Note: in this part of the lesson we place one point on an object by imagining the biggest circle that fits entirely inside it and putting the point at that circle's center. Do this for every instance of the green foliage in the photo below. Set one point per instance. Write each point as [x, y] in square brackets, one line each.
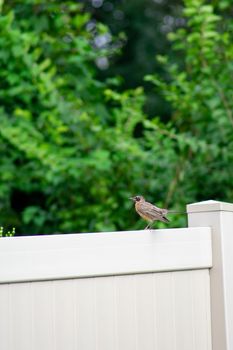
[145, 24]
[73, 148]
[200, 94]
[69, 156]
[9, 233]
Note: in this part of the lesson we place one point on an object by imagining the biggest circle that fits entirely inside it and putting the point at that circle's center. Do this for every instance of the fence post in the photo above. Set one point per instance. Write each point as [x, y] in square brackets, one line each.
[219, 216]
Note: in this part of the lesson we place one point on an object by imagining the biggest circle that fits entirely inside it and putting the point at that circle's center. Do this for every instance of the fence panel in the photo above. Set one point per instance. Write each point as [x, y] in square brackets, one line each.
[127, 290]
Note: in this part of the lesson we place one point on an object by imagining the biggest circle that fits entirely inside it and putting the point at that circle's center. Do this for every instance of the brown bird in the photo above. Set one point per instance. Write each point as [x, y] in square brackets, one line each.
[148, 211]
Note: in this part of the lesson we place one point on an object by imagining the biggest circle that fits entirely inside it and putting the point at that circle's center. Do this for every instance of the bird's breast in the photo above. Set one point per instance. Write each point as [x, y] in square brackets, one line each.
[141, 213]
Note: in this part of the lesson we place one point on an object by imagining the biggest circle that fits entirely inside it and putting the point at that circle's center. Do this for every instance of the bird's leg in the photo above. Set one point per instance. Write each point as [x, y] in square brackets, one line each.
[148, 226]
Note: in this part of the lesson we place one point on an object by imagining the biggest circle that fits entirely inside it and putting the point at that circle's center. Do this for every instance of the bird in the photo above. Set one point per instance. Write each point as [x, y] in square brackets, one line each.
[148, 211]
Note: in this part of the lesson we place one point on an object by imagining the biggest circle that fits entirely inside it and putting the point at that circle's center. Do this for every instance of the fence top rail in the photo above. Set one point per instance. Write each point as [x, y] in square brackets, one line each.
[37, 258]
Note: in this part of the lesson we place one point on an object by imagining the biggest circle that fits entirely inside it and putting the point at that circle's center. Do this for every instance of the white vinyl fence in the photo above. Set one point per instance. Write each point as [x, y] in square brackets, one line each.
[138, 290]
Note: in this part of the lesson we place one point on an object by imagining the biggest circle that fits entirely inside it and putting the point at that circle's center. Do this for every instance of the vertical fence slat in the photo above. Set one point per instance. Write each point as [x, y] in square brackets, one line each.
[105, 313]
[64, 323]
[43, 323]
[20, 316]
[201, 309]
[182, 300]
[85, 313]
[127, 337]
[165, 325]
[145, 312]
[4, 317]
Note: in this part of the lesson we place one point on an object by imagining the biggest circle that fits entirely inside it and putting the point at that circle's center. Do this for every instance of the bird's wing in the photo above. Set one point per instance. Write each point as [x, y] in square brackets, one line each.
[162, 211]
[152, 211]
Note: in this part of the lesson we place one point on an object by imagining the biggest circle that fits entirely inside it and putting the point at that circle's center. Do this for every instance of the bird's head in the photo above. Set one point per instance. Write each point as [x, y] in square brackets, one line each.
[137, 199]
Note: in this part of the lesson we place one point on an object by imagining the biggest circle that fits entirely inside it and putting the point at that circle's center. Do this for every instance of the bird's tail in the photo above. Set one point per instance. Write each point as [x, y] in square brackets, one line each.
[165, 219]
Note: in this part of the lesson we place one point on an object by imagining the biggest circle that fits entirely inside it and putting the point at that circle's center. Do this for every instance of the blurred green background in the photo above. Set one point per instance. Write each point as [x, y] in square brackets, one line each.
[101, 100]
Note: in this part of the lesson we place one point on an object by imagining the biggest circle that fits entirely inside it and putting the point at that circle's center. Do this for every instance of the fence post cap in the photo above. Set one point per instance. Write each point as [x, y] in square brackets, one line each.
[209, 205]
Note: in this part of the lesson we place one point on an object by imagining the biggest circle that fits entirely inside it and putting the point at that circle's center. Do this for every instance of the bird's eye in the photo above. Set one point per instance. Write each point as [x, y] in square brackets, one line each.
[137, 198]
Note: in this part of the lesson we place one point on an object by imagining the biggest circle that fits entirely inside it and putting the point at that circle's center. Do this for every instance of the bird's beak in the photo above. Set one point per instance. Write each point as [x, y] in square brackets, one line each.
[132, 198]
